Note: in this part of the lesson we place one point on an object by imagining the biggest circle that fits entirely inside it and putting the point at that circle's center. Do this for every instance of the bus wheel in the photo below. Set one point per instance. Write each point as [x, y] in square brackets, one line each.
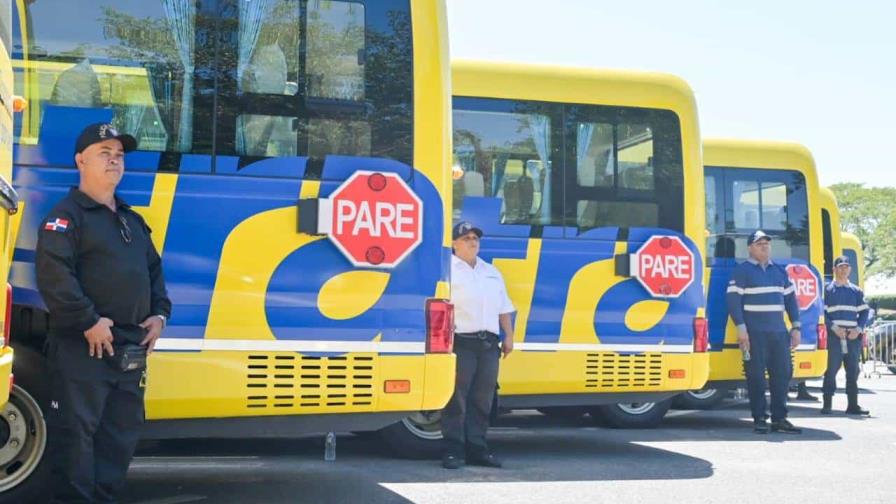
[23, 441]
[564, 412]
[418, 436]
[702, 399]
[643, 415]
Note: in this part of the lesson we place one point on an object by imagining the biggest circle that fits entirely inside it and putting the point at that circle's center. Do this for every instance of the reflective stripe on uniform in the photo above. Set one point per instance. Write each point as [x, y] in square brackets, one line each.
[763, 308]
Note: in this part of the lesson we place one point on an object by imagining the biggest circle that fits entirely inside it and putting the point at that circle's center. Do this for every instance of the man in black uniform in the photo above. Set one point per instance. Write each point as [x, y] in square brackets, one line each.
[101, 278]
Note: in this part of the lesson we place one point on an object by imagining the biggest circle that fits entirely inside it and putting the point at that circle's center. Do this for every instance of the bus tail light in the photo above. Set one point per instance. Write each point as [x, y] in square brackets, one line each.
[822, 337]
[439, 326]
[701, 335]
[7, 322]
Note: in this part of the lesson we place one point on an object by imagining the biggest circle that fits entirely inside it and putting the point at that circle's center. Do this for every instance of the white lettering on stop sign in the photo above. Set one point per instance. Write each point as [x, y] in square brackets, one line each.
[665, 266]
[806, 287]
[392, 220]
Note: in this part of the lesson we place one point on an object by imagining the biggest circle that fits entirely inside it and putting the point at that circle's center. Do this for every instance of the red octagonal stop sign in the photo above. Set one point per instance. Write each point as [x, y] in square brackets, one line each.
[664, 265]
[806, 284]
[374, 218]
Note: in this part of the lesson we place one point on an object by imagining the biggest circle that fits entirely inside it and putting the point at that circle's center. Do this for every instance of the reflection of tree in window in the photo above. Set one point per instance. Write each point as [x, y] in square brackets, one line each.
[335, 55]
[153, 43]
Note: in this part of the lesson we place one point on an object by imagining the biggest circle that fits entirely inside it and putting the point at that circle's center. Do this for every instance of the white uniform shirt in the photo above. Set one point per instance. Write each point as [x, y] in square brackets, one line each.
[479, 296]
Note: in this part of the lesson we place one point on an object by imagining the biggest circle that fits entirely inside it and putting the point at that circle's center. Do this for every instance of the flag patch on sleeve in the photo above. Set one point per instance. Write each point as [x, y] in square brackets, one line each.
[56, 224]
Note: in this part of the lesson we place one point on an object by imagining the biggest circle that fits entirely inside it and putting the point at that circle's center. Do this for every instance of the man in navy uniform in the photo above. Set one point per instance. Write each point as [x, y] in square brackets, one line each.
[758, 295]
[845, 315]
[101, 278]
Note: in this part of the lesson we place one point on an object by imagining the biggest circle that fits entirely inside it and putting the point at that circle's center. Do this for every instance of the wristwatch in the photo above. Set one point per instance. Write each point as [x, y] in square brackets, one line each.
[164, 320]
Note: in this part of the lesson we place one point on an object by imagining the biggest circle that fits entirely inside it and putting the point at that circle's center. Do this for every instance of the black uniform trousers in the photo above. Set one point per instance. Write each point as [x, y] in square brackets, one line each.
[769, 351]
[94, 420]
[836, 359]
[465, 417]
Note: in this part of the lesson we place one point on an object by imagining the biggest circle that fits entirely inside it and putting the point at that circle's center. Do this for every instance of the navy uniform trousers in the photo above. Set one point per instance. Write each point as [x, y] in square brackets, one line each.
[769, 351]
[94, 419]
[466, 416]
[836, 359]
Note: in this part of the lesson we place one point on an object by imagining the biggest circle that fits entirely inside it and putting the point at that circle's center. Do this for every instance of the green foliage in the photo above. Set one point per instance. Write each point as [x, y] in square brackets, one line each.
[870, 214]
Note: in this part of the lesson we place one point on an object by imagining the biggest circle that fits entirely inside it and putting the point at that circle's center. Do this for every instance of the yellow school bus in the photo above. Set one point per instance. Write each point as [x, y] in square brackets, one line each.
[276, 329]
[9, 203]
[570, 171]
[852, 248]
[771, 186]
[830, 229]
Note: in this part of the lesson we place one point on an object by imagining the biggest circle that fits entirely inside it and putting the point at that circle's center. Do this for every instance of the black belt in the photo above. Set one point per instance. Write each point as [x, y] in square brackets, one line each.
[478, 334]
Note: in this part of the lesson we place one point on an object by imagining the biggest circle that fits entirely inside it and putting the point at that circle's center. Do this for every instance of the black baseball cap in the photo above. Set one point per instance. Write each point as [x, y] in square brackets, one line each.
[464, 227]
[840, 261]
[100, 132]
[756, 236]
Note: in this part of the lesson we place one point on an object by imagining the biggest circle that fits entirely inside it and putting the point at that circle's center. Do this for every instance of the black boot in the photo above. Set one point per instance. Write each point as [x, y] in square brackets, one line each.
[854, 408]
[802, 393]
[826, 407]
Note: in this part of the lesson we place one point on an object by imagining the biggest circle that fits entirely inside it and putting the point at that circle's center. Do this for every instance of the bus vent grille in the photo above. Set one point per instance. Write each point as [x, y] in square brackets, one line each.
[289, 382]
[610, 370]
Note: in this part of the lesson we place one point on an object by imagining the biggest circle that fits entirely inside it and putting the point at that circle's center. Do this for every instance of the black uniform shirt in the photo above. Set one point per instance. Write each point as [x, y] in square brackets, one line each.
[93, 262]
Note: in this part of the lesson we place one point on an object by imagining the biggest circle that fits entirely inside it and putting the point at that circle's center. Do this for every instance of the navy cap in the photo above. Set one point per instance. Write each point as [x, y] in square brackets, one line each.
[840, 261]
[100, 132]
[756, 236]
[464, 227]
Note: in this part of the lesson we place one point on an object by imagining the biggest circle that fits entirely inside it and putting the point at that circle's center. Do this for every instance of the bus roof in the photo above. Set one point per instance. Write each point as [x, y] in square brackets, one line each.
[851, 241]
[562, 84]
[765, 154]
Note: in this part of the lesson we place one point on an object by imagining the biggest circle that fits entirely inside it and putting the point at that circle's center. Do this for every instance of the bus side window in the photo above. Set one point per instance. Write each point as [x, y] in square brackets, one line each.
[505, 155]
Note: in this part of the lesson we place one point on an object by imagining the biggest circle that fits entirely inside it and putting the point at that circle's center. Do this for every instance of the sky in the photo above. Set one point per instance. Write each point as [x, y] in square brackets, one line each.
[821, 73]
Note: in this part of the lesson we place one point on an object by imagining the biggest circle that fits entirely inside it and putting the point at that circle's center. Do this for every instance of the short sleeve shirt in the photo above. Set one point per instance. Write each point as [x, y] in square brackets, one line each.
[479, 296]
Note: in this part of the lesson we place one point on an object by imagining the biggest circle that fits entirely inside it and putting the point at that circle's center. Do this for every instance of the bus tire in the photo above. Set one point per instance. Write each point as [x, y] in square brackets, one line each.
[418, 436]
[631, 415]
[564, 412]
[24, 464]
[703, 399]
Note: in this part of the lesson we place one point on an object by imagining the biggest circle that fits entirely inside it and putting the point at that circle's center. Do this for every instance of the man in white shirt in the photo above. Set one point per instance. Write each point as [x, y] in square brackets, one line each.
[481, 307]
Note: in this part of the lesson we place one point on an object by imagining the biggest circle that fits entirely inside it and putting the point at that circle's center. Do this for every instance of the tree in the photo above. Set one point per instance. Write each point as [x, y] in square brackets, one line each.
[870, 214]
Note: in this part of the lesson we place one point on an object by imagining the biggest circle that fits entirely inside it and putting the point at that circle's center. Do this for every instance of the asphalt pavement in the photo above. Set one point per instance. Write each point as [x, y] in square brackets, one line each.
[695, 456]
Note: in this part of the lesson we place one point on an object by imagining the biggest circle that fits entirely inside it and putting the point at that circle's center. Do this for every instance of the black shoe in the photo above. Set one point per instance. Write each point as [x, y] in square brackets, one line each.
[826, 407]
[785, 427]
[760, 427]
[485, 460]
[452, 461]
[855, 409]
[806, 396]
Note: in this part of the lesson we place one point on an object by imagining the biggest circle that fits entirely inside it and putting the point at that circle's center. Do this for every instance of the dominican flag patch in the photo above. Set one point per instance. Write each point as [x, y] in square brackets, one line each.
[56, 224]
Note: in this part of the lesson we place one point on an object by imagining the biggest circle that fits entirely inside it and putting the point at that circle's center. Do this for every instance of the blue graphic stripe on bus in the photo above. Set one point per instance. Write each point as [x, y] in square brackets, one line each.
[294, 314]
[205, 212]
[560, 261]
[342, 167]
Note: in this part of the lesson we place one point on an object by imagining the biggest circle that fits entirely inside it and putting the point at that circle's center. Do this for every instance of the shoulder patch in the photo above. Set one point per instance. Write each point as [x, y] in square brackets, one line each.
[57, 224]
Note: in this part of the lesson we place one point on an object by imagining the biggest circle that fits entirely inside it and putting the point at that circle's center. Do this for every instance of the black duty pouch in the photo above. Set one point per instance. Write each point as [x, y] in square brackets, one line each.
[130, 355]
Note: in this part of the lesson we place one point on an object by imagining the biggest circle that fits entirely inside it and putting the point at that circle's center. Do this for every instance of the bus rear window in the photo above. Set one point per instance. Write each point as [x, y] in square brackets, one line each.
[578, 166]
[746, 199]
[252, 79]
